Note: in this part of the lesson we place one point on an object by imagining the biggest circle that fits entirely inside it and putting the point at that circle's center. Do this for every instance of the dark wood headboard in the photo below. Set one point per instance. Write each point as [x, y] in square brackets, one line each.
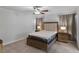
[50, 26]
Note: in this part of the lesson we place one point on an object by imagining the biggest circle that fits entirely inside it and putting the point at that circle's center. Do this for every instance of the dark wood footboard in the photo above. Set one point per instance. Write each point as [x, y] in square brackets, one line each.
[37, 44]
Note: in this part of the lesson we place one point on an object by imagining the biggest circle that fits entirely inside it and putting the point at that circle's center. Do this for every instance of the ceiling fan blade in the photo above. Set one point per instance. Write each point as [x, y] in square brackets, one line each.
[44, 11]
[37, 7]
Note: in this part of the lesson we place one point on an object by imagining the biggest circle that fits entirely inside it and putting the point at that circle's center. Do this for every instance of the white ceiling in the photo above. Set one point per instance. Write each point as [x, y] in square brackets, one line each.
[19, 8]
[51, 9]
[62, 9]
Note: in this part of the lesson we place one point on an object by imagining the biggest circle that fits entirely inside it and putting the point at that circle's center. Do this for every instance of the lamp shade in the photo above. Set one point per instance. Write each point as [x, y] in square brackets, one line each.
[38, 27]
[63, 27]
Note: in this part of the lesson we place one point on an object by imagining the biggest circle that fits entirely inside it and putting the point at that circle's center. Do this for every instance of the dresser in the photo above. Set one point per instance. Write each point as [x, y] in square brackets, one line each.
[64, 37]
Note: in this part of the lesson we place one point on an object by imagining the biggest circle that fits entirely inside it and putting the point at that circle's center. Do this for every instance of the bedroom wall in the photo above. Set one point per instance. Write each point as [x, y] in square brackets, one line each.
[14, 25]
[24, 25]
[51, 18]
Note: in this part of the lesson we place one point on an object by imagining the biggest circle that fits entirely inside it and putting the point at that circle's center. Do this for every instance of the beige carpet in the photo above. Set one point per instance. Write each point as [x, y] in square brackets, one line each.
[58, 47]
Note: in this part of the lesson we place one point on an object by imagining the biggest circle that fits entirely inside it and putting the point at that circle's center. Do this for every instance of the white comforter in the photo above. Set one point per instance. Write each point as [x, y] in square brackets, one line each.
[44, 34]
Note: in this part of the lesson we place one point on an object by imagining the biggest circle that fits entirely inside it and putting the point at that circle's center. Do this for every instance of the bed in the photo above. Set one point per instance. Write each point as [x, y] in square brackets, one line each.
[45, 38]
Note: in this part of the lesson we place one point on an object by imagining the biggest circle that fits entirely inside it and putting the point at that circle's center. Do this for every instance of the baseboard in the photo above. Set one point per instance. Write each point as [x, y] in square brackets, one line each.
[13, 41]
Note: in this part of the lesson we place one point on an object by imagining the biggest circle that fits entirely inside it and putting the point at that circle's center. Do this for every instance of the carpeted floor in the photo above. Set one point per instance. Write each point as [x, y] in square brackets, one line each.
[21, 47]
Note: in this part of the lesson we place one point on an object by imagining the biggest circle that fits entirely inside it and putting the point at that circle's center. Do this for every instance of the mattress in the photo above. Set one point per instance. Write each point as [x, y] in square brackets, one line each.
[44, 36]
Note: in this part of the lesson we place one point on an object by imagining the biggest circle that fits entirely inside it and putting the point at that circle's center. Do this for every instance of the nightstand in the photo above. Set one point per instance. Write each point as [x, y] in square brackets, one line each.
[64, 37]
[37, 30]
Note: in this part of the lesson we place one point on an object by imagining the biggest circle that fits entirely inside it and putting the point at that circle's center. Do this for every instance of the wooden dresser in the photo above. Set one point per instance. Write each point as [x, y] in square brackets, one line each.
[64, 37]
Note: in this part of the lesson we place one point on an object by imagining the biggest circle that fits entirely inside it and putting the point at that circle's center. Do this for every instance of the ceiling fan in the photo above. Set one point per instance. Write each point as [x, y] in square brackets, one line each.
[38, 10]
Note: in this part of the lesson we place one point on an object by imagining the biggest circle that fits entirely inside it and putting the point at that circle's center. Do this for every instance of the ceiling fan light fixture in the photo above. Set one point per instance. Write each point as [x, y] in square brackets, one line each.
[36, 11]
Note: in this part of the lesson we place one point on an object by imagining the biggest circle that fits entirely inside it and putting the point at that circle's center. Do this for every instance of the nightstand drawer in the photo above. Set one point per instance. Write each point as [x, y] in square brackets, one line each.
[63, 37]
[62, 34]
